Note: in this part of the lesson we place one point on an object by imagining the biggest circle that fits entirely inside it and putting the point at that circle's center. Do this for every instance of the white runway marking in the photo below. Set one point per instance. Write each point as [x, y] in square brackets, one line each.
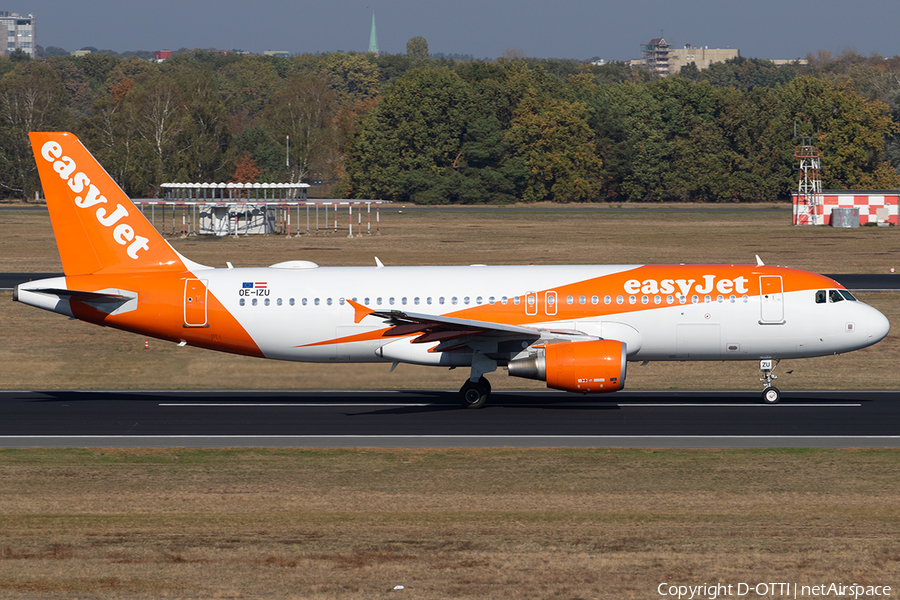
[301, 404]
[295, 405]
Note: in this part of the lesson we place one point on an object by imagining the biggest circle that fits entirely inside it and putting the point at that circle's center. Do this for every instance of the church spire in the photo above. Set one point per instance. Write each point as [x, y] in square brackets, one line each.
[373, 38]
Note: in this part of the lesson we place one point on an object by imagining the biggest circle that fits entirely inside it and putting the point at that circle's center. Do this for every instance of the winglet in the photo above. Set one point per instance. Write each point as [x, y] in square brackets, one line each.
[361, 311]
[378, 263]
[759, 262]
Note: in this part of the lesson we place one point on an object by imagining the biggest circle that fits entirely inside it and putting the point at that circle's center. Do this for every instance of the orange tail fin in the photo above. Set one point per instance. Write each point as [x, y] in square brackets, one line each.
[97, 227]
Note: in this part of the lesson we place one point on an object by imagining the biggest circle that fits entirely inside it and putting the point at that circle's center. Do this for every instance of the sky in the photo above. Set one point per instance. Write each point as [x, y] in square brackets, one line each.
[580, 29]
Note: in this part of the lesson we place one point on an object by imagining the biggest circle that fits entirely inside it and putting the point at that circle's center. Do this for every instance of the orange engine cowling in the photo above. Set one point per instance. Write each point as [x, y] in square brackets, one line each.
[595, 366]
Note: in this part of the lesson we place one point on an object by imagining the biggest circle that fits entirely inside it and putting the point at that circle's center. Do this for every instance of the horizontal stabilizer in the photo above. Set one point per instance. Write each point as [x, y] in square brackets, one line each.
[83, 296]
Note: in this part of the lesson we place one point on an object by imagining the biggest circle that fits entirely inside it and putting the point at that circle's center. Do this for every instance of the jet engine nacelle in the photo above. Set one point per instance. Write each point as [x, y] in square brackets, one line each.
[595, 366]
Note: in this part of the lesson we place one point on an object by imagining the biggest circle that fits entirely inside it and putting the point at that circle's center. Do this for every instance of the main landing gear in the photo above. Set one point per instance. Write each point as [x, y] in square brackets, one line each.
[475, 391]
[771, 394]
[474, 394]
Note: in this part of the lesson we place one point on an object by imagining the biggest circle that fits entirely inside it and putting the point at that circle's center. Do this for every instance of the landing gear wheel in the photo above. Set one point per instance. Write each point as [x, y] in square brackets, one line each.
[771, 395]
[474, 395]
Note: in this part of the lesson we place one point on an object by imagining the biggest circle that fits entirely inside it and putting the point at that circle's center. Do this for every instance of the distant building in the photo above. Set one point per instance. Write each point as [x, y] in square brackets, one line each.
[19, 32]
[661, 59]
[161, 55]
[655, 56]
[702, 57]
[281, 53]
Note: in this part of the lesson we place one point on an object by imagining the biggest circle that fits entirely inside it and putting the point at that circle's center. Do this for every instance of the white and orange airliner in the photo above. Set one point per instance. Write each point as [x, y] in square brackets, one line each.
[574, 327]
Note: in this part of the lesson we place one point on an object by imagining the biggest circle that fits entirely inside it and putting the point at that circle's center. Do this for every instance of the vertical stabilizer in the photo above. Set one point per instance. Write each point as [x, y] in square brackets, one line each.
[96, 225]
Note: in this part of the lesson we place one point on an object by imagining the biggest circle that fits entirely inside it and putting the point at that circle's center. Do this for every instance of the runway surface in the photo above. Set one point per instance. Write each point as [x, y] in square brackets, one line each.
[852, 281]
[433, 419]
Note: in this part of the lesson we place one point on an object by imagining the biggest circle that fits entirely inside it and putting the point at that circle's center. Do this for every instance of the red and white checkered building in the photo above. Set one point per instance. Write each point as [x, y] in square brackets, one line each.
[873, 205]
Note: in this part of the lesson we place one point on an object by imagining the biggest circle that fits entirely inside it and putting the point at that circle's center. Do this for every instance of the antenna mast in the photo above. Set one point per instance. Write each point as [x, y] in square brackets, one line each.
[809, 190]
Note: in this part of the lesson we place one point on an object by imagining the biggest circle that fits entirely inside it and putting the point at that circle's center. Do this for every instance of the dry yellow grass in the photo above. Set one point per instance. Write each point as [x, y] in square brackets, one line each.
[444, 524]
[41, 350]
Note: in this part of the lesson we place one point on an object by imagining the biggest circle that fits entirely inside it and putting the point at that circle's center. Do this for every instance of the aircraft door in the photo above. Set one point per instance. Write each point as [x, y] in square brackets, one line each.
[195, 293]
[771, 299]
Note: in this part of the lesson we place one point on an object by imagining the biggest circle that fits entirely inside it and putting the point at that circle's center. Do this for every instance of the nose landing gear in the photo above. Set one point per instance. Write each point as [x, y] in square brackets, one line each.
[771, 394]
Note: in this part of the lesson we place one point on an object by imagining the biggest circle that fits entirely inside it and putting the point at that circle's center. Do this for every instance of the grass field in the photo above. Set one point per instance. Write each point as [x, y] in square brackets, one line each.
[532, 524]
[538, 524]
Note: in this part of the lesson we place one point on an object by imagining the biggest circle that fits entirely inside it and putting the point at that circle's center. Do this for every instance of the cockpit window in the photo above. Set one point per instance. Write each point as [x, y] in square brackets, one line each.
[823, 296]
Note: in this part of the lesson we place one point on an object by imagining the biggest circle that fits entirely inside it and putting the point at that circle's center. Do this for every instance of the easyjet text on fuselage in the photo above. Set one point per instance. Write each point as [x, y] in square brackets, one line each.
[707, 284]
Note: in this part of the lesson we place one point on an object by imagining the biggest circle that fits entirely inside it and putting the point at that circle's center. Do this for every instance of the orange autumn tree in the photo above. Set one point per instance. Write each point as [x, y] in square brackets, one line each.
[246, 171]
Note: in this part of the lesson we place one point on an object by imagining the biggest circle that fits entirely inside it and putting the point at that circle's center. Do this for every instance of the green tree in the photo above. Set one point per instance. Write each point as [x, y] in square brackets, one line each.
[416, 126]
[250, 82]
[558, 149]
[417, 48]
[353, 76]
[305, 109]
[205, 143]
[159, 120]
[32, 98]
[18, 55]
[849, 131]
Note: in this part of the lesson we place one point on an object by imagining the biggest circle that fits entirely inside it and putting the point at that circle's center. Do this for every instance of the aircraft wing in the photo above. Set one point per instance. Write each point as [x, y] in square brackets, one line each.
[452, 332]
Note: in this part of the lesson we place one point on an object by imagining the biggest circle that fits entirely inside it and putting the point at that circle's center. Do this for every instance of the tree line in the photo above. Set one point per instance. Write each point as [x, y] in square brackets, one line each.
[436, 131]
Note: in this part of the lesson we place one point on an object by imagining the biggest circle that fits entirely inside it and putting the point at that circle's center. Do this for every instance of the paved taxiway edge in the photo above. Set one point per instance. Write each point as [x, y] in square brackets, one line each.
[451, 441]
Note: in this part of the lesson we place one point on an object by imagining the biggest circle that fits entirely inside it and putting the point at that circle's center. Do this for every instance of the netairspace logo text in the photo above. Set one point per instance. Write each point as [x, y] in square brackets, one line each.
[785, 590]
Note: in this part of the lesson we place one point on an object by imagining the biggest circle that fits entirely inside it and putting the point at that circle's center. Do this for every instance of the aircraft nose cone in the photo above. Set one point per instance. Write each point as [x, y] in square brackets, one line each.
[879, 326]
